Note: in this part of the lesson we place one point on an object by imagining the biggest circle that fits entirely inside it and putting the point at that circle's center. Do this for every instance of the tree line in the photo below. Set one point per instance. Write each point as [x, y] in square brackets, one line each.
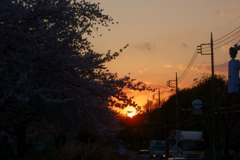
[224, 117]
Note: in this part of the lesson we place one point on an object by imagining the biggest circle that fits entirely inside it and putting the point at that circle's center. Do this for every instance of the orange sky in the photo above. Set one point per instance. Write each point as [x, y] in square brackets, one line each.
[163, 36]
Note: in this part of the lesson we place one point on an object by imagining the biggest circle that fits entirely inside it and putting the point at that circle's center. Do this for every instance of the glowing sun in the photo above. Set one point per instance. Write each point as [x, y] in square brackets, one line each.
[130, 111]
[131, 114]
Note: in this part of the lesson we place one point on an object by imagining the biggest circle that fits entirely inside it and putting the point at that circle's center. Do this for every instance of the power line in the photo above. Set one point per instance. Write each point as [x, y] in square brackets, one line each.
[227, 42]
[188, 66]
[207, 114]
[185, 72]
[225, 39]
[227, 24]
[227, 34]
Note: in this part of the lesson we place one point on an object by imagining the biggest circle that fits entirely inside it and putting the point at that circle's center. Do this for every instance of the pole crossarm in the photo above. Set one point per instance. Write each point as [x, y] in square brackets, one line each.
[169, 83]
[200, 49]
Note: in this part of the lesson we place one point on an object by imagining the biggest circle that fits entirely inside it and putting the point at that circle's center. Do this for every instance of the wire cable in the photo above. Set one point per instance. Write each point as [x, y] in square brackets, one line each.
[227, 24]
[227, 42]
[185, 72]
[193, 120]
[189, 65]
[226, 34]
[227, 38]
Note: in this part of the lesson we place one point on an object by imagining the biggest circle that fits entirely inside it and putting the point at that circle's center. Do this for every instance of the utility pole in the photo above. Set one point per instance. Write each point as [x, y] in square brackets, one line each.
[177, 102]
[159, 109]
[158, 97]
[148, 105]
[169, 85]
[213, 93]
[147, 120]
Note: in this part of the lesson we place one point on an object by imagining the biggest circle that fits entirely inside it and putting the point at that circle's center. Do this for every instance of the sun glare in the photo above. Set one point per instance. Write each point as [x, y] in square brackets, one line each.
[130, 114]
[130, 111]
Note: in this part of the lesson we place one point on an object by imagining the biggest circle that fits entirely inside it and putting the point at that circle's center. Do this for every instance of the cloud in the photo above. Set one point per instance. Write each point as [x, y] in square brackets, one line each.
[204, 67]
[184, 45]
[146, 46]
[225, 48]
[145, 69]
[169, 65]
[230, 8]
[141, 97]
[220, 68]
[182, 67]
[222, 13]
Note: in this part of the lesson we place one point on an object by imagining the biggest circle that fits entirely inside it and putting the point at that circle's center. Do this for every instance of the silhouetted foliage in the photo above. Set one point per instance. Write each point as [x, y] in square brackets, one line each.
[226, 114]
[52, 82]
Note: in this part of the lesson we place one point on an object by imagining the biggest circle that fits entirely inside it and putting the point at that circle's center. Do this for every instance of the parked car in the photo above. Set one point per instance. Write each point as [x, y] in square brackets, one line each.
[176, 158]
[144, 154]
[233, 155]
[122, 149]
[232, 152]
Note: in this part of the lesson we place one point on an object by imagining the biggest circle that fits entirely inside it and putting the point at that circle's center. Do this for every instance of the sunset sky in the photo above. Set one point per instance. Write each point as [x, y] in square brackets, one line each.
[163, 36]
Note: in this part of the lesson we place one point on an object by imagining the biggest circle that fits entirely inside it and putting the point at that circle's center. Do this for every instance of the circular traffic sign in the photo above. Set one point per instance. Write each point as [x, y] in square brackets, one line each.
[197, 104]
[172, 133]
[172, 141]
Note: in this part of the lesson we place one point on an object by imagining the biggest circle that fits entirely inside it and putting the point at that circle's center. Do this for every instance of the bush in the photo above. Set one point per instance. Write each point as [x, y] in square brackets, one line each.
[84, 151]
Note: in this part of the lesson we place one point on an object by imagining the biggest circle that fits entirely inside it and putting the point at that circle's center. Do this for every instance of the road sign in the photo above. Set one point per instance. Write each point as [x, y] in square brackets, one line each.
[172, 141]
[172, 133]
[197, 104]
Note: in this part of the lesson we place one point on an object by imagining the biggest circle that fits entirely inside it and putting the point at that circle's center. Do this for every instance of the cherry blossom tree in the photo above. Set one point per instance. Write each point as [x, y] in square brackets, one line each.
[50, 76]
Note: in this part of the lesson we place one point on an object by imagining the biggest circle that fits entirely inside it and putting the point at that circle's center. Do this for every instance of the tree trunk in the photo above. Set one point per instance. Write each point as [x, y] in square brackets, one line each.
[59, 139]
[64, 140]
[20, 132]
